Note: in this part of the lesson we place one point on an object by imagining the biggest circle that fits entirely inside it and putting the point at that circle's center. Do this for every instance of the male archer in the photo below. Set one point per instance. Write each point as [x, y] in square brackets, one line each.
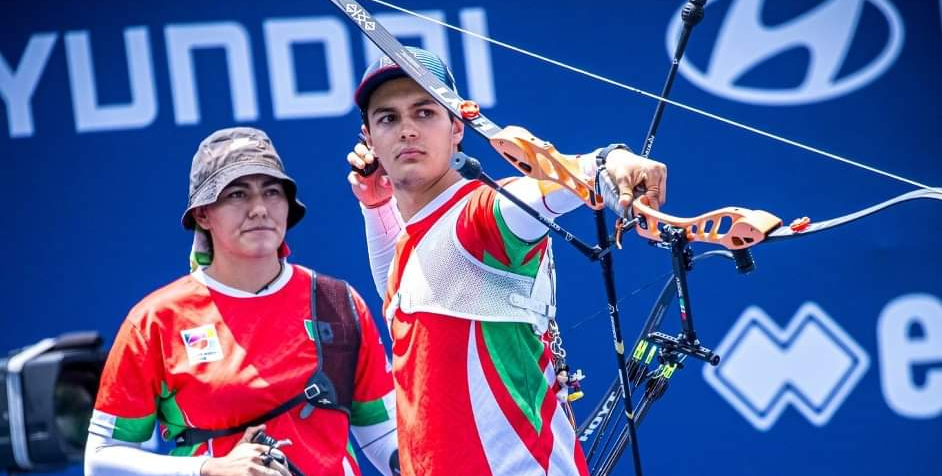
[468, 285]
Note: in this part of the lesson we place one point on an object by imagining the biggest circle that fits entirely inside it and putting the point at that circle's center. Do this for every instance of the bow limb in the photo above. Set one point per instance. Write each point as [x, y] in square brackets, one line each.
[794, 231]
[533, 157]
[737, 228]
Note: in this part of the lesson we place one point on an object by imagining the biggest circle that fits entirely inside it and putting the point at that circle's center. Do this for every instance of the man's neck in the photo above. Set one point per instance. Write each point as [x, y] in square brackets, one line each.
[411, 201]
[250, 275]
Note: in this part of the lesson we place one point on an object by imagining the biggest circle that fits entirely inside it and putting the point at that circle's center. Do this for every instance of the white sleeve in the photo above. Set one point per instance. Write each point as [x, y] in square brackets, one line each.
[379, 441]
[383, 225]
[550, 205]
[111, 457]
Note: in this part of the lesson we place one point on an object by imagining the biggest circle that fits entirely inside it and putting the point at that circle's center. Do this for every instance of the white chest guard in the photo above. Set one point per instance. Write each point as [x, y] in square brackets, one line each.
[441, 277]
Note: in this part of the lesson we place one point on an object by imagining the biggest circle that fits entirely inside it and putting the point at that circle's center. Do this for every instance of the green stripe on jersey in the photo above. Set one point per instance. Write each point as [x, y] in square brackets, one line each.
[515, 351]
[515, 248]
[368, 413]
[353, 455]
[133, 429]
[184, 450]
[170, 413]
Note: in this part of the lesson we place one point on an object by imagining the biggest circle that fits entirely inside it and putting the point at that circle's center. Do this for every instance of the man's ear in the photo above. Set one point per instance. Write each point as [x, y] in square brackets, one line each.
[457, 131]
[201, 217]
[366, 133]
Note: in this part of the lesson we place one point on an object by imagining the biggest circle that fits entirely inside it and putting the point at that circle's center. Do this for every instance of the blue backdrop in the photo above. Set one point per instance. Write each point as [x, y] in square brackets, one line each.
[832, 348]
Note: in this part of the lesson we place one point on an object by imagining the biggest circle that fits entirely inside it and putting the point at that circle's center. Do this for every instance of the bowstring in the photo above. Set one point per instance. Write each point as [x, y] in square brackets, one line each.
[608, 461]
[601, 311]
[680, 105]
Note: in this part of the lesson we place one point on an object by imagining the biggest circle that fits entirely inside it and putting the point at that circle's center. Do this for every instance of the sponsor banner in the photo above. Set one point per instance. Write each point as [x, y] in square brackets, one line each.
[831, 350]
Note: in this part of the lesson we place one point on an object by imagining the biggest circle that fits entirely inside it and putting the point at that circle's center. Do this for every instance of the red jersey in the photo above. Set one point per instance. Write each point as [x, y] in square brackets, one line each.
[198, 354]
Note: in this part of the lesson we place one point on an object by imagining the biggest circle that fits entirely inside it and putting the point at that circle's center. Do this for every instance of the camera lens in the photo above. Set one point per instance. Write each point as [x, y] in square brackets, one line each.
[73, 400]
[262, 438]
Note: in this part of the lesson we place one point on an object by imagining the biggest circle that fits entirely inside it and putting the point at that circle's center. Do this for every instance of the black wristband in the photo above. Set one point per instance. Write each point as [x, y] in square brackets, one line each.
[603, 154]
[600, 160]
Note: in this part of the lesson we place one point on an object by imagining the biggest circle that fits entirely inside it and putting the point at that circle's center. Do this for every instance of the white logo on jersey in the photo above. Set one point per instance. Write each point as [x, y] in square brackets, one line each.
[202, 344]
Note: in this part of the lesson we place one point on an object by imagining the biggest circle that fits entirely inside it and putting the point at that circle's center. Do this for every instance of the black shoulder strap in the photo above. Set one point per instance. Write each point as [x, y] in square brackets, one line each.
[335, 330]
[338, 329]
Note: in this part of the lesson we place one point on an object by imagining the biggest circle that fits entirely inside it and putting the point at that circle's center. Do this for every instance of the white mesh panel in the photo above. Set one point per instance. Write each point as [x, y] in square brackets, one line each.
[461, 286]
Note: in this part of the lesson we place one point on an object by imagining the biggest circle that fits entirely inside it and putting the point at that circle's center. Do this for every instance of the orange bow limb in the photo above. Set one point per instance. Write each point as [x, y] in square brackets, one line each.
[539, 159]
[733, 228]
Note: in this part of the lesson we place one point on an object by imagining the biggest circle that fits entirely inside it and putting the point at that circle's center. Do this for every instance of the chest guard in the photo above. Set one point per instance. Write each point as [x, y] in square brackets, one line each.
[441, 277]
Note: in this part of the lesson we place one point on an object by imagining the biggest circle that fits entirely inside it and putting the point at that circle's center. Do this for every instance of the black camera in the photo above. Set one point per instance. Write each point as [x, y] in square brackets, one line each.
[263, 438]
[48, 395]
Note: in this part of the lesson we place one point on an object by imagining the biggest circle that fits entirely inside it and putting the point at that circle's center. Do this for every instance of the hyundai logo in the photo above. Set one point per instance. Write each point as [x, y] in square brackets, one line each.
[826, 31]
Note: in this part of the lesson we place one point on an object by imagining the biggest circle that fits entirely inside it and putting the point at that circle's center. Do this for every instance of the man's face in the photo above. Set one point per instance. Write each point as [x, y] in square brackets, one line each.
[249, 220]
[413, 135]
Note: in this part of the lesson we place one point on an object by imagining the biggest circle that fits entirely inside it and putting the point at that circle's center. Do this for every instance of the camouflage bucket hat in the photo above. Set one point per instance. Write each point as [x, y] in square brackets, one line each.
[228, 154]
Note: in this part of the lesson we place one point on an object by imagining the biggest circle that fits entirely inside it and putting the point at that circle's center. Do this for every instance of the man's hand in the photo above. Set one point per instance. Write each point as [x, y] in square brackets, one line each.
[637, 177]
[246, 458]
[371, 191]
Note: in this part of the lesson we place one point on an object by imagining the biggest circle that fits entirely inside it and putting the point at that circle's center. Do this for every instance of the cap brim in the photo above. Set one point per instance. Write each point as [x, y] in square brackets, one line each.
[375, 80]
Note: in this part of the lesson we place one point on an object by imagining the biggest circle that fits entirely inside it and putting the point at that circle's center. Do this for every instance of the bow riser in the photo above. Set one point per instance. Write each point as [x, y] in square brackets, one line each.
[539, 159]
[733, 228]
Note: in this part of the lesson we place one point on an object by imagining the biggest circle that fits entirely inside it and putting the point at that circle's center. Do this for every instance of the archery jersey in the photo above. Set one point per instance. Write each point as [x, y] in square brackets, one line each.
[198, 354]
[475, 387]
